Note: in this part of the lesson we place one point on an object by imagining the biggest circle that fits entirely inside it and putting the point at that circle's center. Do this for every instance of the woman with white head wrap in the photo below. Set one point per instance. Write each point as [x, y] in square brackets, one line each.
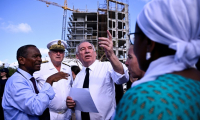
[167, 45]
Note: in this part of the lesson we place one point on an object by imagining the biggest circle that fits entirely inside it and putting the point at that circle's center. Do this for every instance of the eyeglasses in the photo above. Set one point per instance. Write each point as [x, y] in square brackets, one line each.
[132, 37]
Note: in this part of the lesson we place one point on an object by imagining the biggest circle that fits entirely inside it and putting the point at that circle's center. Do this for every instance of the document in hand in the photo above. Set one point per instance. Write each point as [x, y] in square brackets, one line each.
[83, 100]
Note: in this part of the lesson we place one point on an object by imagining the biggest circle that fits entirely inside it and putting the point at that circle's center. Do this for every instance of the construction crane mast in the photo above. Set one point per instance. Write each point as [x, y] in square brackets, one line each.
[64, 15]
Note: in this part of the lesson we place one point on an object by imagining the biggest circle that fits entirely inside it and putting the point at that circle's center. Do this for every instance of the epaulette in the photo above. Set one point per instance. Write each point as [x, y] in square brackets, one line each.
[46, 61]
[66, 64]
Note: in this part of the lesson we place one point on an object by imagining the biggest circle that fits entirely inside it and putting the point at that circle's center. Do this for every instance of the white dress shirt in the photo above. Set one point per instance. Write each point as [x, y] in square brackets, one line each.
[102, 89]
[57, 107]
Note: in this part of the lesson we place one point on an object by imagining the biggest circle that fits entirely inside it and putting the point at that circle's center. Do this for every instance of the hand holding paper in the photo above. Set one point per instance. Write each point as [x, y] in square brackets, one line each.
[83, 100]
[70, 102]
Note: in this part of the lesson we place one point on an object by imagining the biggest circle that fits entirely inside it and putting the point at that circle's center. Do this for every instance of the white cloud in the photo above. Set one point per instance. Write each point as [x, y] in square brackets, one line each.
[6, 64]
[14, 65]
[22, 27]
[44, 52]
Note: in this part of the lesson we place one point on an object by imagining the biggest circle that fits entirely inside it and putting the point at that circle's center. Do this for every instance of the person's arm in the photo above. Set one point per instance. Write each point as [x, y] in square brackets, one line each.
[24, 98]
[29, 102]
[107, 44]
[53, 78]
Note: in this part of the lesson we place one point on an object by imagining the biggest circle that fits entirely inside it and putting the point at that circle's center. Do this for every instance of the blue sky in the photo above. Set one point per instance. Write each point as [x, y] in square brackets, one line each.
[31, 22]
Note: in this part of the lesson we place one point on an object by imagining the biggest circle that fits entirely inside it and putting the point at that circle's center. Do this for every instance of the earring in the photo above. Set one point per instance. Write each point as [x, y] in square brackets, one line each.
[148, 55]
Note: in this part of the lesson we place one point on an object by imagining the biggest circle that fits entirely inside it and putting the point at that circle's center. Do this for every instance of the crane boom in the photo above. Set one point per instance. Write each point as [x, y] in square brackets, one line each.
[56, 4]
[64, 14]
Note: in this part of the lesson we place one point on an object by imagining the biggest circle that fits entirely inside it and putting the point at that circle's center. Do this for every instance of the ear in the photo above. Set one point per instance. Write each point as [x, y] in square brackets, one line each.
[21, 60]
[49, 53]
[150, 45]
[95, 53]
[76, 56]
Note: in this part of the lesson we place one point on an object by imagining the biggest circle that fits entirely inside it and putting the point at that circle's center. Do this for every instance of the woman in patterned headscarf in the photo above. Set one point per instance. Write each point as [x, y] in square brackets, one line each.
[167, 45]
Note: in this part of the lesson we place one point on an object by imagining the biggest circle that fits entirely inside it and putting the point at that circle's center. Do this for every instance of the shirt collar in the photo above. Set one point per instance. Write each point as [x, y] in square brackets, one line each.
[62, 67]
[25, 74]
[92, 66]
[51, 66]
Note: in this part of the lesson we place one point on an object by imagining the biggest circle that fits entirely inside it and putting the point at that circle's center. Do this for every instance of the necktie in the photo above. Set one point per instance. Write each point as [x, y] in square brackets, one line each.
[86, 81]
[34, 84]
[45, 115]
[86, 115]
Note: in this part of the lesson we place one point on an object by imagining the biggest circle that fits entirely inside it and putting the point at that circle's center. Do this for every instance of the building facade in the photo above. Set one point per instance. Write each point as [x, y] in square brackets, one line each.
[83, 25]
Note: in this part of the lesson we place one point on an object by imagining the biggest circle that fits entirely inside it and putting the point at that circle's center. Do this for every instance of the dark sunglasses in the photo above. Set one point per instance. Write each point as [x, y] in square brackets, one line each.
[56, 51]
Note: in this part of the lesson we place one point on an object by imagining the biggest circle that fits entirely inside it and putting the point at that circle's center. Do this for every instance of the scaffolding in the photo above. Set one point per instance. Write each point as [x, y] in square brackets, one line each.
[113, 16]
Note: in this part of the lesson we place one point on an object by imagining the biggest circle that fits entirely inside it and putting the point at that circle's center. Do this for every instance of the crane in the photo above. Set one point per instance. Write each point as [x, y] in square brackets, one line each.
[64, 14]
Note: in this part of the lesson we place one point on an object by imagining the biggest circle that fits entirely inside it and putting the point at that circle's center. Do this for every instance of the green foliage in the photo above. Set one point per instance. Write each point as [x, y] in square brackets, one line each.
[12, 70]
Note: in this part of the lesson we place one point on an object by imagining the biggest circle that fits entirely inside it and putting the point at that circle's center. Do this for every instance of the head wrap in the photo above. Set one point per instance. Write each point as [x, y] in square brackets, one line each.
[175, 23]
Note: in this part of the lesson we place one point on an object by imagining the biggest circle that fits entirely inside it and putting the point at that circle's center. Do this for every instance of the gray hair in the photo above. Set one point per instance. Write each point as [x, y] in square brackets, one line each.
[83, 42]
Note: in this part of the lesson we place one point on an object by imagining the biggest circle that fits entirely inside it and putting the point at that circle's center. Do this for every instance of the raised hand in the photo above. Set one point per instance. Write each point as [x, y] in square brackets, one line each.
[107, 44]
[56, 77]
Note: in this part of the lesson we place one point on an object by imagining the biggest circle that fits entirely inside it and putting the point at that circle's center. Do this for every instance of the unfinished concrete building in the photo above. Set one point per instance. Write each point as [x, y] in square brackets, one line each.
[113, 16]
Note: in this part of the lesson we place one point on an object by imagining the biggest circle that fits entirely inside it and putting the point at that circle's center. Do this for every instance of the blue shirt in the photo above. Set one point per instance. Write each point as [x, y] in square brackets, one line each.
[20, 102]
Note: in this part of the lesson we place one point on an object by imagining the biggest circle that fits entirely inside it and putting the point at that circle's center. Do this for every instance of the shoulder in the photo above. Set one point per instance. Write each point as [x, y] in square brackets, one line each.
[177, 80]
[108, 64]
[167, 83]
[191, 73]
[104, 64]
[65, 64]
[46, 61]
[66, 68]
[15, 80]
[80, 74]
[43, 68]
[46, 64]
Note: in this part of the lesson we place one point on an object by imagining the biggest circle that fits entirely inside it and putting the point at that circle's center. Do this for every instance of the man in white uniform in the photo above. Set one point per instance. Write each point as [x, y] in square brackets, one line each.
[57, 107]
[102, 76]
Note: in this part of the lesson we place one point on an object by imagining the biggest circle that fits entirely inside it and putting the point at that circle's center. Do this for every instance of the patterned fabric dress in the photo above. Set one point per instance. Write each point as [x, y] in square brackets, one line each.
[169, 97]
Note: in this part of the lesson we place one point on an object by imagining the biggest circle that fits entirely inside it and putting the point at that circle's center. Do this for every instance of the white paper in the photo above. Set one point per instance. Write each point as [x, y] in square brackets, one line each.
[83, 100]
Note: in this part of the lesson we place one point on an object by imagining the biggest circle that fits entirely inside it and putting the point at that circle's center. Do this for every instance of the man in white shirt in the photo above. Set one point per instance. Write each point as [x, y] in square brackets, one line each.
[102, 76]
[57, 107]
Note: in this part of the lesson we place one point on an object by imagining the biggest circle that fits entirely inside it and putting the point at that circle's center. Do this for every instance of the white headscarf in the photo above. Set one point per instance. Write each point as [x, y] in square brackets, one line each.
[175, 23]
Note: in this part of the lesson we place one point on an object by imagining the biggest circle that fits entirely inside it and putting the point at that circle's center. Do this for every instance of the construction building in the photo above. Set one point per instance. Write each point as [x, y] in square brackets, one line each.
[84, 25]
